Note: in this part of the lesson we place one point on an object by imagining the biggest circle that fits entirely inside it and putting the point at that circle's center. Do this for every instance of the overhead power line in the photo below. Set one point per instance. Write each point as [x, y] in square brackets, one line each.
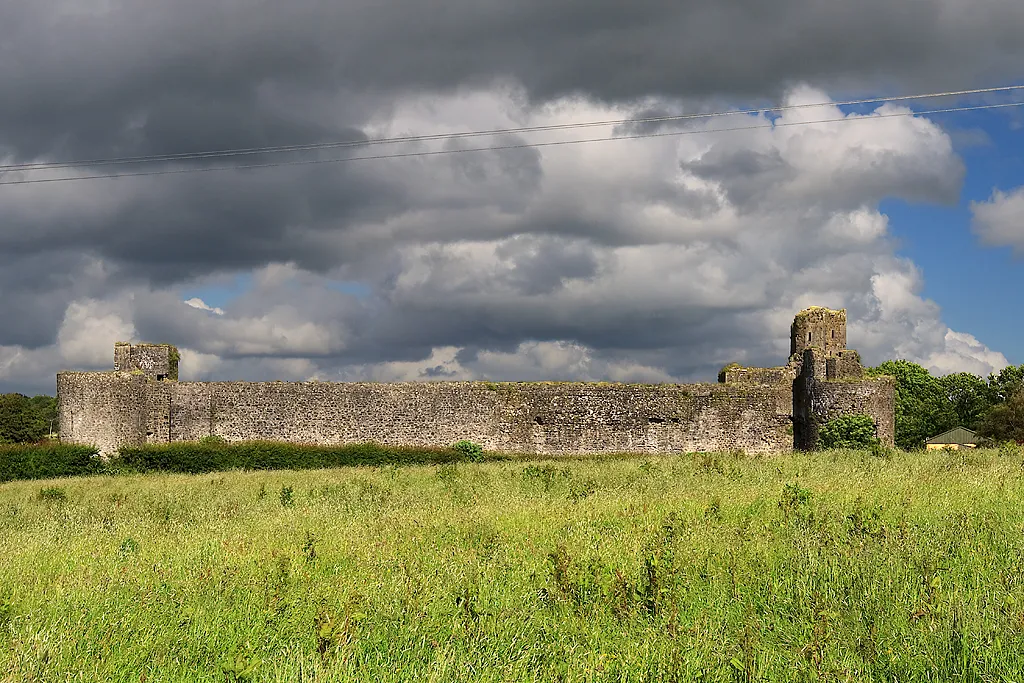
[191, 156]
[525, 145]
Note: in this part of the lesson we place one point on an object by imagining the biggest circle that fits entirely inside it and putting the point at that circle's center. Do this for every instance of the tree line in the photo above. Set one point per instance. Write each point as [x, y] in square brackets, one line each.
[926, 405]
[26, 420]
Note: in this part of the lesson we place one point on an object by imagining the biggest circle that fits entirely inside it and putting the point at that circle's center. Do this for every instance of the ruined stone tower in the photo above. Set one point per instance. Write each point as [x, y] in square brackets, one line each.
[159, 361]
[820, 328]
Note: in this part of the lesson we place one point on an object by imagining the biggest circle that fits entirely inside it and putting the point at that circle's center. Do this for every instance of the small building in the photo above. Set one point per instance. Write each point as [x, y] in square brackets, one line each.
[958, 438]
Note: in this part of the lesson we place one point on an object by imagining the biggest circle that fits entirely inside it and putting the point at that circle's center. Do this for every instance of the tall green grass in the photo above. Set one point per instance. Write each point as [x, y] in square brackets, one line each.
[824, 566]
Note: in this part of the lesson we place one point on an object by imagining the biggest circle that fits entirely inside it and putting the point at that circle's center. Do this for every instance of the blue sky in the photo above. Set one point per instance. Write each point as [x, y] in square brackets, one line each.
[232, 287]
[979, 287]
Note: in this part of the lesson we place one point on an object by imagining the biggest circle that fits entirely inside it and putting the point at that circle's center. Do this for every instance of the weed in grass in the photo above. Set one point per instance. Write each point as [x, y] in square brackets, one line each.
[332, 635]
[287, 496]
[866, 523]
[466, 602]
[276, 587]
[1010, 449]
[877, 450]
[794, 499]
[448, 474]
[560, 563]
[162, 512]
[129, 546]
[959, 459]
[6, 616]
[309, 547]
[53, 494]
[713, 511]
[710, 463]
[581, 488]
[242, 664]
[545, 474]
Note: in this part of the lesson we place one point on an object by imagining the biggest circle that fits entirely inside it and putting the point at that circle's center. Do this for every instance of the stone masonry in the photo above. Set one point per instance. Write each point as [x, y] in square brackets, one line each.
[761, 410]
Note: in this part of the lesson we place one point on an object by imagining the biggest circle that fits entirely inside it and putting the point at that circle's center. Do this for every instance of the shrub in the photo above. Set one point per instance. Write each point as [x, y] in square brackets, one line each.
[213, 456]
[53, 494]
[848, 431]
[287, 497]
[48, 461]
[1010, 449]
[470, 450]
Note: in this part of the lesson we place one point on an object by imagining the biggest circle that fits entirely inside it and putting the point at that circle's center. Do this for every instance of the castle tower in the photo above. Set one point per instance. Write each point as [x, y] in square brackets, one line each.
[159, 361]
[818, 328]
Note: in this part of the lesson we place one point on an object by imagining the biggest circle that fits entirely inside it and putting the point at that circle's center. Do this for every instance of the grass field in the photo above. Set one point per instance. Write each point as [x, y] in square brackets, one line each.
[822, 566]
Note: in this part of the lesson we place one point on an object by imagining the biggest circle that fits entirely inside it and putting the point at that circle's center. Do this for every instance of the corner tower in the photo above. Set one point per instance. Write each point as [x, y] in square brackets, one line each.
[159, 361]
[818, 328]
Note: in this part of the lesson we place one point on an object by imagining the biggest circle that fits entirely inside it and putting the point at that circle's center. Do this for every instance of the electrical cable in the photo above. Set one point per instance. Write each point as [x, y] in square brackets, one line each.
[527, 145]
[186, 156]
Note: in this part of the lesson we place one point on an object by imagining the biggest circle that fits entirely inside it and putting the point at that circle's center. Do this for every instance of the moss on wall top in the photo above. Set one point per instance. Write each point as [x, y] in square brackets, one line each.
[818, 310]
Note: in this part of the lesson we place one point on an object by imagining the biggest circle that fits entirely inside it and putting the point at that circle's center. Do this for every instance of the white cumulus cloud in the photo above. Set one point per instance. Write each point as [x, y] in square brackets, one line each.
[999, 222]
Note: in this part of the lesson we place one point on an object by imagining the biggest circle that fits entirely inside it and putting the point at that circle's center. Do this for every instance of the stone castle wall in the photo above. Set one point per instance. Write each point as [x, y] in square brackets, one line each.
[105, 409]
[759, 410]
[513, 417]
[833, 385]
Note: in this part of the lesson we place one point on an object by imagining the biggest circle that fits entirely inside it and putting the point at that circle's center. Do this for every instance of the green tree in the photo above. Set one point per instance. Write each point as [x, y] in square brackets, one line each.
[45, 408]
[22, 421]
[848, 431]
[969, 397]
[1005, 422]
[923, 408]
[1008, 382]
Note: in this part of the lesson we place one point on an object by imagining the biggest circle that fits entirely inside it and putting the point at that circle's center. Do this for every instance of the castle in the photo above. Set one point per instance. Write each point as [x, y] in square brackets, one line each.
[761, 410]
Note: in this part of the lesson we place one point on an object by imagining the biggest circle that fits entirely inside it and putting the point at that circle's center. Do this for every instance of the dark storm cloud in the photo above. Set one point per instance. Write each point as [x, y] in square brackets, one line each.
[34, 298]
[35, 290]
[84, 76]
[87, 79]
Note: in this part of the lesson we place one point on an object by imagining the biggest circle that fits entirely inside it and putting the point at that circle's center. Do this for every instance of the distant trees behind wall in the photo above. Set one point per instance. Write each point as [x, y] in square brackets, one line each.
[26, 420]
[927, 405]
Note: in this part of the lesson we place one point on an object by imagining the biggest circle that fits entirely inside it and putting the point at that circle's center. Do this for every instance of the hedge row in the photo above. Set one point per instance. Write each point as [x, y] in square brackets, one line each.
[211, 456]
[48, 461]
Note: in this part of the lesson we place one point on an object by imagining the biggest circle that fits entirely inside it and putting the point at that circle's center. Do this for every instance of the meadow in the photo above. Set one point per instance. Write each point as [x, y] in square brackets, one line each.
[702, 567]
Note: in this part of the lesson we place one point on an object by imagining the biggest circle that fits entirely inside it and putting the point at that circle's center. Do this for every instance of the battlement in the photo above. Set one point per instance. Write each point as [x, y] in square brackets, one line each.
[158, 361]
